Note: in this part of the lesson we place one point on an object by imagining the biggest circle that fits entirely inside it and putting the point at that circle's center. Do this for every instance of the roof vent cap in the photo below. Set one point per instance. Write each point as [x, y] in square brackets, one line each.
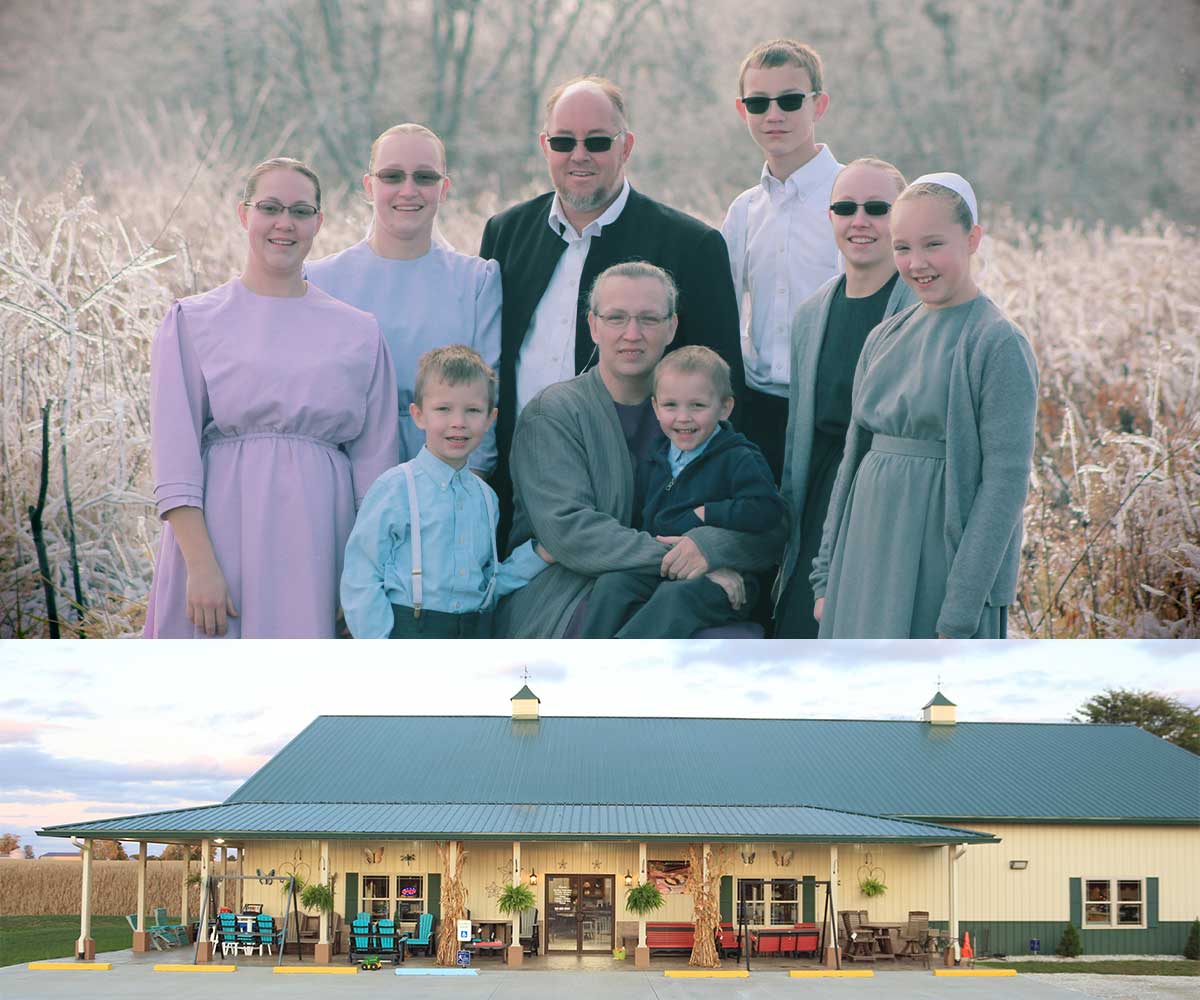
[939, 711]
[525, 704]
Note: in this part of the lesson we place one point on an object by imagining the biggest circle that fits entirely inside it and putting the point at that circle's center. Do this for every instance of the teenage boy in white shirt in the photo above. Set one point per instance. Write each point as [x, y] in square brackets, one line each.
[781, 245]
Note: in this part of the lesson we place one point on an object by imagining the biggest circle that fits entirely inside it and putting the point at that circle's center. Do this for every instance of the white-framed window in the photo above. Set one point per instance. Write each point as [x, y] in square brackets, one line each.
[783, 895]
[1114, 902]
[401, 896]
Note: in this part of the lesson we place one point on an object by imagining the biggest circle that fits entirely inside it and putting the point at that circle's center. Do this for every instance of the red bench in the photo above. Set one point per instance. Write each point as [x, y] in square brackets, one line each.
[663, 935]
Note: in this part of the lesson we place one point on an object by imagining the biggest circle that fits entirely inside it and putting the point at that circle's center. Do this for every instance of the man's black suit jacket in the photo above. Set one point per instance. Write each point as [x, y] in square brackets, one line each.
[691, 252]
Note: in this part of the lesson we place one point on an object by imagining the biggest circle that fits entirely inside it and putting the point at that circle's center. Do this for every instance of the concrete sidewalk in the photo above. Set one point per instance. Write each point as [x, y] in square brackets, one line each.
[132, 980]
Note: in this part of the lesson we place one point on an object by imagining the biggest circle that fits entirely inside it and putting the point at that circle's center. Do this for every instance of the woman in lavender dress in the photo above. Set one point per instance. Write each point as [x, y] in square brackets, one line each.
[273, 409]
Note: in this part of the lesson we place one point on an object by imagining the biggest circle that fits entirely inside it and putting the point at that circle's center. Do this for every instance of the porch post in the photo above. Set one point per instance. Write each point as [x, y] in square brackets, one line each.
[203, 953]
[953, 853]
[183, 904]
[141, 937]
[323, 949]
[831, 936]
[641, 957]
[241, 886]
[224, 871]
[85, 947]
[515, 952]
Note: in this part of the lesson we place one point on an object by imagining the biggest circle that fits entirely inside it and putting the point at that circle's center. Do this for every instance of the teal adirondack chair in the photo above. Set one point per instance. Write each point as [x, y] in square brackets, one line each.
[424, 936]
[361, 942]
[176, 932]
[157, 937]
[389, 942]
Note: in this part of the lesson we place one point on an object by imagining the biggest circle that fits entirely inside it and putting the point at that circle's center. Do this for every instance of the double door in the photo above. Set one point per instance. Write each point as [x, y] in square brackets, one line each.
[579, 912]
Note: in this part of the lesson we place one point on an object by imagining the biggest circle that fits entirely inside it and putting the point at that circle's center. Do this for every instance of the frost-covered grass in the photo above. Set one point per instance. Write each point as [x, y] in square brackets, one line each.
[1112, 544]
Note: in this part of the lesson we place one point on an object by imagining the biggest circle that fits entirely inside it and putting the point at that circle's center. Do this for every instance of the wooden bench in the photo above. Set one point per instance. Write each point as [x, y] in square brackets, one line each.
[664, 935]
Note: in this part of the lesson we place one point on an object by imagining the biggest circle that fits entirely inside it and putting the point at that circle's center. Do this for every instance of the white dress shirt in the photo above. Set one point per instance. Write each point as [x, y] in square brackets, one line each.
[548, 351]
[781, 250]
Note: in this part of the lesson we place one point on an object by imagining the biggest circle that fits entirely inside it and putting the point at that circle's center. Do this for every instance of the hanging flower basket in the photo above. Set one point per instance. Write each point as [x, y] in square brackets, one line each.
[872, 887]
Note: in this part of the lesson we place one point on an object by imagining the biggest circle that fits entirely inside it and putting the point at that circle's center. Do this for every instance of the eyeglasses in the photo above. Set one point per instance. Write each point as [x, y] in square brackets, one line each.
[593, 143]
[786, 102]
[300, 210]
[421, 178]
[648, 322]
[851, 207]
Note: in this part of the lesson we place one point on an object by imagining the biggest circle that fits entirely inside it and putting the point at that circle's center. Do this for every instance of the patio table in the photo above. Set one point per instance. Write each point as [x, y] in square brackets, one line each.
[883, 937]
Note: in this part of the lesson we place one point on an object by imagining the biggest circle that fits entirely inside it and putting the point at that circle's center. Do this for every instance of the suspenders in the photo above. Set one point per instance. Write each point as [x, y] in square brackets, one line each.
[415, 522]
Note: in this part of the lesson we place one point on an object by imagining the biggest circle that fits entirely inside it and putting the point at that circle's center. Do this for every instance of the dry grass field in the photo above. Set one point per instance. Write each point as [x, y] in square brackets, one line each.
[39, 888]
[1112, 542]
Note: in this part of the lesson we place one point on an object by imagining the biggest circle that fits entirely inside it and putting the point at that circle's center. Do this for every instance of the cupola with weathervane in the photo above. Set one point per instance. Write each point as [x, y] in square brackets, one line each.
[525, 705]
[939, 710]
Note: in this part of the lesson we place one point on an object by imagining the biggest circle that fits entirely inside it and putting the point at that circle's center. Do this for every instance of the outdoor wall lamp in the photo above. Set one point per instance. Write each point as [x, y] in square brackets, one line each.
[532, 877]
[628, 878]
[1018, 866]
[219, 840]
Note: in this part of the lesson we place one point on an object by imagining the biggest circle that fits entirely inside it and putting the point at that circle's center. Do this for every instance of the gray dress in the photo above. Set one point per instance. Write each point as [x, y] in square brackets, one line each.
[888, 571]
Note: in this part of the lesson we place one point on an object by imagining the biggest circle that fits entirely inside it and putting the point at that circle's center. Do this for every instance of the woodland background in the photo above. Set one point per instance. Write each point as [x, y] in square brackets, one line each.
[125, 130]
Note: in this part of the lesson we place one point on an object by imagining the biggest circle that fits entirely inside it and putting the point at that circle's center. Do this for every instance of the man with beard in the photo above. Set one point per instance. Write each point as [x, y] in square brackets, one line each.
[552, 248]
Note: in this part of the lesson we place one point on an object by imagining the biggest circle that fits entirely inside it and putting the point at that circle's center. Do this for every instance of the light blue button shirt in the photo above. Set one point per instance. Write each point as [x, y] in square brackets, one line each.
[441, 298]
[456, 548]
[679, 460]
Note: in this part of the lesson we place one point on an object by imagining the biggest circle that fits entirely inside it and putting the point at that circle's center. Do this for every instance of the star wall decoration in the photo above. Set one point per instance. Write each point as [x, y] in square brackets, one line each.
[562, 866]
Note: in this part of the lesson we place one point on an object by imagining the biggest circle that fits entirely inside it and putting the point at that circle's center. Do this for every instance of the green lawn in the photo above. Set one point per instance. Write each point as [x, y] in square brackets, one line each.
[1131, 967]
[31, 939]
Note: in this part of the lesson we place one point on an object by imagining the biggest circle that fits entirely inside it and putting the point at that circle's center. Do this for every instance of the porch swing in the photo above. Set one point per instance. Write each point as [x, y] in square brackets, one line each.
[208, 906]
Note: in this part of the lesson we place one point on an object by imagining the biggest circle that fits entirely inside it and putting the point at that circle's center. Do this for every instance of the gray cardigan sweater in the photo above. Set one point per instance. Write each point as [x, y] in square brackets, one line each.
[573, 491]
[990, 419]
[808, 335]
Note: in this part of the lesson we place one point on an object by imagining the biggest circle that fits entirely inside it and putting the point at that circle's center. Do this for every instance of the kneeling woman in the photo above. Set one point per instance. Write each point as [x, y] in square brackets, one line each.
[273, 410]
[424, 295]
[923, 534]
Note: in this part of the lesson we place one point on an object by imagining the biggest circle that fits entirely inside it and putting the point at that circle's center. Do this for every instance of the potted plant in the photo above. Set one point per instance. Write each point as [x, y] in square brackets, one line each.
[515, 898]
[872, 887]
[643, 898]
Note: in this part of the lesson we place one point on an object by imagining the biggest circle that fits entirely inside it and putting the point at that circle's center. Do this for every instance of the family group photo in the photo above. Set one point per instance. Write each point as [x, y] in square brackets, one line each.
[600, 320]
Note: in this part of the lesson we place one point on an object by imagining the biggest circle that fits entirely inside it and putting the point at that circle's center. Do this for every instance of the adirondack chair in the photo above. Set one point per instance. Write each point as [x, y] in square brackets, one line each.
[529, 931]
[362, 941]
[423, 938]
[265, 933]
[157, 937]
[389, 941]
[915, 936]
[163, 923]
[227, 933]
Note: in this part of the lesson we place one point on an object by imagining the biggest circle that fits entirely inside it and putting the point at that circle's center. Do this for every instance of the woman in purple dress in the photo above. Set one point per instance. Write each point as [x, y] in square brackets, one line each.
[273, 409]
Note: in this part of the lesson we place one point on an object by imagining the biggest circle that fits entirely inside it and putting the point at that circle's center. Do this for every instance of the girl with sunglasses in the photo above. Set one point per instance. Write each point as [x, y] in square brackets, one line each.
[424, 294]
[923, 534]
[272, 410]
[827, 337]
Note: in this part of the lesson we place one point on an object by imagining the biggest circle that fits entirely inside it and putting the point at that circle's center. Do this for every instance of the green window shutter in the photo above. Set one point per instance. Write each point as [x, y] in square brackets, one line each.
[351, 897]
[1151, 902]
[433, 895]
[809, 899]
[726, 902]
[1077, 902]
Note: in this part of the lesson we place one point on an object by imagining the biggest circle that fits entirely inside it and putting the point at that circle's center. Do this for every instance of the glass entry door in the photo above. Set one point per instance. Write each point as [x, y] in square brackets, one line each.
[579, 912]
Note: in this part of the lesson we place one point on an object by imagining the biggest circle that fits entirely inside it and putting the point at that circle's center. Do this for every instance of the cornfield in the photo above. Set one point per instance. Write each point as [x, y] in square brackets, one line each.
[41, 888]
[1112, 543]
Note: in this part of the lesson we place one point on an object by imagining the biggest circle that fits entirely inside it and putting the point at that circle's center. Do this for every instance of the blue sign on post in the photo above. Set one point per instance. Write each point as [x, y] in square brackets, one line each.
[464, 958]
[1035, 946]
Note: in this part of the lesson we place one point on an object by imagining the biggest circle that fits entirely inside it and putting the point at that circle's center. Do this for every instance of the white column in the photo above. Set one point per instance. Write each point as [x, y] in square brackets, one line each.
[241, 886]
[953, 852]
[183, 902]
[141, 903]
[224, 871]
[205, 852]
[85, 903]
[516, 880]
[831, 940]
[641, 879]
[323, 869]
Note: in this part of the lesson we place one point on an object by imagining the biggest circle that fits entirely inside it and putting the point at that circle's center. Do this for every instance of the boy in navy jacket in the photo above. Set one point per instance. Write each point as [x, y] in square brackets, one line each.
[703, 473]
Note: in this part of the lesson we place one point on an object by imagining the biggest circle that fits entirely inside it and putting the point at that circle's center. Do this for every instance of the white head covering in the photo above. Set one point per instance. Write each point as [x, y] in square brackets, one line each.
[956, 183]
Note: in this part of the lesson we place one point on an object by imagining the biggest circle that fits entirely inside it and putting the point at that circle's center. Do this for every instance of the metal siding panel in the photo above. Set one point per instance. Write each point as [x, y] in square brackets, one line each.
[1151, 902]
[1076, 891]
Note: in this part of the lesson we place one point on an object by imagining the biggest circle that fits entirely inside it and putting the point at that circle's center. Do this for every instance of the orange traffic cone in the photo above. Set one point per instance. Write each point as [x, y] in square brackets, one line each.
[967, 952]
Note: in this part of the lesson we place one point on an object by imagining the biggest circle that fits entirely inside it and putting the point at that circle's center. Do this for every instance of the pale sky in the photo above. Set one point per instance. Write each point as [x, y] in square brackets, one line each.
[96, 729]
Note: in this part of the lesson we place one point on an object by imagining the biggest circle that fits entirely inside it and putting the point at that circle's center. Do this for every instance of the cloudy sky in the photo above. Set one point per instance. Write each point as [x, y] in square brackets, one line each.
[96, 729]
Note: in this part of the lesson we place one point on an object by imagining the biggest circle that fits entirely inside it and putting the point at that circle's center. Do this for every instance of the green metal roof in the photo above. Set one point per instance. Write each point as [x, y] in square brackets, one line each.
[966, 771]
[591, 778]
[525, 693]
[537, 821]
[939, 699]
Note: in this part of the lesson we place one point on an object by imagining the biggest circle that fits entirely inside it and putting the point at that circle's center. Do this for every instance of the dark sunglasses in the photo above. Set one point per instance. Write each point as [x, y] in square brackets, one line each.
[421, 178]
[786, 102]
[870, 207]
[593, 143]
